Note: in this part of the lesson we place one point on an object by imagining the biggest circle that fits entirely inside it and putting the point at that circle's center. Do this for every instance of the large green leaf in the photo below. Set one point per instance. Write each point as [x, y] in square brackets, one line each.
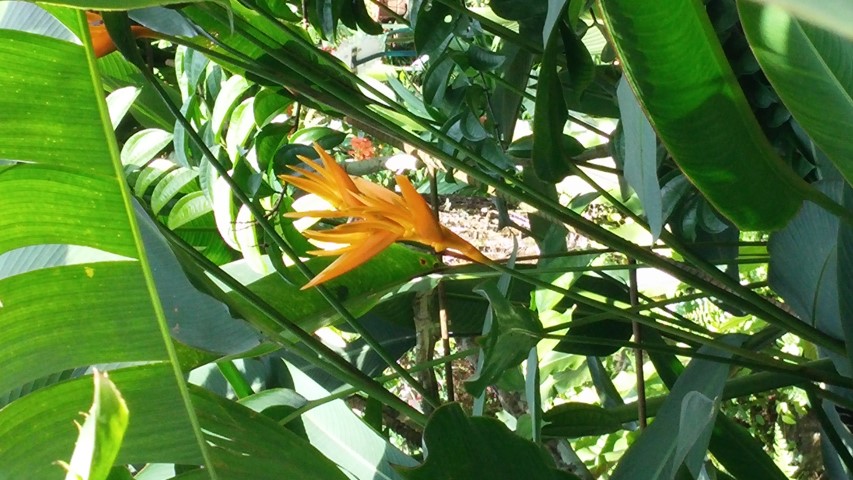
[812, 71]
[101, 433]
[699, 111]
[241, 444]
[836, 15]
[641, 159]
[682, 428]
[550, 162]
[65, 186]
[70, 192]
[459, 446]
[31, 18]
[345, 438]
[359, 290]
[804, 264]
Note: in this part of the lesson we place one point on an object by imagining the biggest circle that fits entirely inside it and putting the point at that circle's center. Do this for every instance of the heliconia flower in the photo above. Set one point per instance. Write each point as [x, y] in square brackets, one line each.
[101, 41]
[378, 217]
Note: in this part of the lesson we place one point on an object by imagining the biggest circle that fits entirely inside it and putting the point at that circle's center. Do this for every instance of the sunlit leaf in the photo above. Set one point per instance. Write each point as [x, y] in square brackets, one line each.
[699, 111]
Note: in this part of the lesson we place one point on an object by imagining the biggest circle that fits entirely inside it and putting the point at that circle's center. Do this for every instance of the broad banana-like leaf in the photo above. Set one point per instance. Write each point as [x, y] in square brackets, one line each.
[835, 15]
[680, 434]
[62, 183]
[812, 71]
[676, 67]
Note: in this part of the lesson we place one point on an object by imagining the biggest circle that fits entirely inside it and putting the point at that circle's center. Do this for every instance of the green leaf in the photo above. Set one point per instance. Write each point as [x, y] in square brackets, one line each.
[119, 102]
[69, 188]
[580, 69]
[641, 159]
[682, 427]
[552, 18]
[66, 316]
[190, 207]
[148, 109]
[194, 318]
[101, 433]
[458, 446]
[150, 175]
[242, 443]
[515, 71]
[171, 22]
[172, 184]
[483, 59]
[845, 282]
[359, 289]
[434, 24]
[250, 445]
[835, 15]
[227, 100]
[328, 138]
[549, 119]
[32, 18]
[573, 420]
[699, 111]
[241, 125]
[342, 436]
[614, 329]
[810, 70]
[515, 330]
[741, 454]
[803, 264]
[327, 12]
[155, 430]
[142, 146]
[268, 104]
[364, 20]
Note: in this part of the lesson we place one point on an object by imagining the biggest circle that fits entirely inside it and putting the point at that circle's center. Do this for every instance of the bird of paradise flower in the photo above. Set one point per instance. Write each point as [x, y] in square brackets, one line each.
[378, 217]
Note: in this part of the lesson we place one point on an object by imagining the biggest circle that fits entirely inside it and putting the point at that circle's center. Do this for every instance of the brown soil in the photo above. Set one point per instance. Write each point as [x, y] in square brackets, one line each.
[476, 220]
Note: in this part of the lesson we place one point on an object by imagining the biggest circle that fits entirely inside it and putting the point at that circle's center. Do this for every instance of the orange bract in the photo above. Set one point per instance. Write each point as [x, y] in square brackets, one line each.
[378, 217]
[101, 41]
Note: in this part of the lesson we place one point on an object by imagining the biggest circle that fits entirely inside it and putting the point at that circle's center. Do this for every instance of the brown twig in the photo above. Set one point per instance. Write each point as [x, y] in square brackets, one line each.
[638, 353]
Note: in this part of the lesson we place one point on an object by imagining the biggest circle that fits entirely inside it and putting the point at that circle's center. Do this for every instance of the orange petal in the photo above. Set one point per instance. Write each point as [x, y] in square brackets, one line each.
[330, 253]
[353, 258]
[317, 214]
[459, 244]
[368, 226]
[139, 31]
[427, 227]
[377, 192]
[346, 187]
[313, 184]
[340, 238]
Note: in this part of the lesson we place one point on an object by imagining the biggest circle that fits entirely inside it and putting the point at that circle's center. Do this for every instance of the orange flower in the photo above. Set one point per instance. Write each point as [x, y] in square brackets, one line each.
[362, 148]
[101, 40]
[378, 217]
